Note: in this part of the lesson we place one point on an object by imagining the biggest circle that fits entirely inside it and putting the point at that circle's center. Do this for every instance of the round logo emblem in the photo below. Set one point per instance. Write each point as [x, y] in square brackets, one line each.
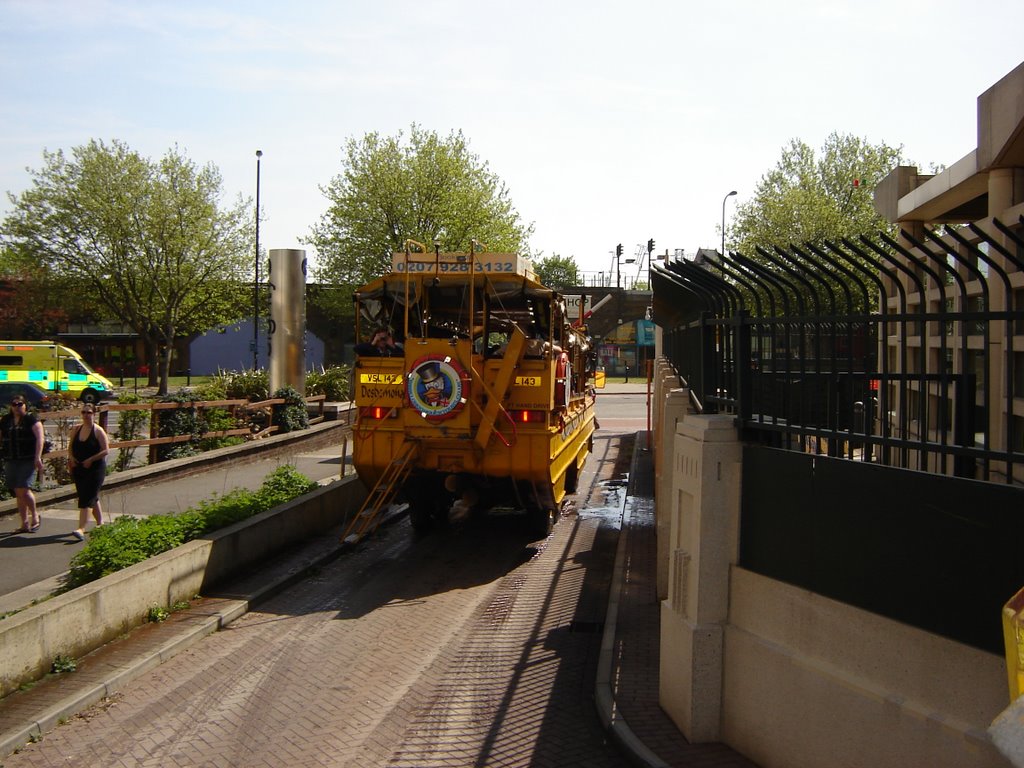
[435, 385]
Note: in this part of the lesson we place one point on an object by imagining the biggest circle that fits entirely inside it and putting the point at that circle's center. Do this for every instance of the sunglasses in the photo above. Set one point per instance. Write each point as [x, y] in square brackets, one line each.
[17, 402]
[88, 413]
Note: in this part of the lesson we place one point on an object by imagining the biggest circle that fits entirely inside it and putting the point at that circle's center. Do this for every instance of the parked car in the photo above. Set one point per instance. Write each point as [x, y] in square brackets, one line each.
[34, 396]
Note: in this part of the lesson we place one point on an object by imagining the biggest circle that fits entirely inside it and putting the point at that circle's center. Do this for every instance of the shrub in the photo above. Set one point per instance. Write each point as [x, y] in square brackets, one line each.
[128, 540]
[333, 382]
[193, 421]
[182, 421]
[291, 414]
[250, 385]
[129, 426]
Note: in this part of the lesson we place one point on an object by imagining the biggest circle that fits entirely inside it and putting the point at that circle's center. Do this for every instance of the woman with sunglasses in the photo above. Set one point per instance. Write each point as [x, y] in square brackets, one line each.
[21, 440]
[89, 447]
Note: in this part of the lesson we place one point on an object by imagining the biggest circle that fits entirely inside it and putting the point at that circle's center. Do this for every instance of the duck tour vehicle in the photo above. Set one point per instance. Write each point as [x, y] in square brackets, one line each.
[473, 391]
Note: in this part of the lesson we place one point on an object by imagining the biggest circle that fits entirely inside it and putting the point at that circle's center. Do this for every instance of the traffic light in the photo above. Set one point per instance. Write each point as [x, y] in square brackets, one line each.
[618, 250]
[650, 246]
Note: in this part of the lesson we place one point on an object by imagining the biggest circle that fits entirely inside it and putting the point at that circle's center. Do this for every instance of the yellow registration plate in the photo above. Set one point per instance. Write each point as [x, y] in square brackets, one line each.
[527, 381]
[380, 378]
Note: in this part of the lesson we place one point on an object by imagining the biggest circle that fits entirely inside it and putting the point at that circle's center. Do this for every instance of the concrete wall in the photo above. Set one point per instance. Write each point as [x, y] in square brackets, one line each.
[785, 676]
[85, 618]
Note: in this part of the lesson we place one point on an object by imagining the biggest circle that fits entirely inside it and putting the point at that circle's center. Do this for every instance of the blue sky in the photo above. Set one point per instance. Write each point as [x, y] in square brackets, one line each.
[609, 122]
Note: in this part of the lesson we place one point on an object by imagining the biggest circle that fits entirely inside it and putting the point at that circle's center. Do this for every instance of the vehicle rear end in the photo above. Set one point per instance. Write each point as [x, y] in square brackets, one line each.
[478, 414]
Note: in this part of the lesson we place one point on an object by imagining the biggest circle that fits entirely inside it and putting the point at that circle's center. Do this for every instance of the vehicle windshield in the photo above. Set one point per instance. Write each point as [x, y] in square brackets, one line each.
[71, 365]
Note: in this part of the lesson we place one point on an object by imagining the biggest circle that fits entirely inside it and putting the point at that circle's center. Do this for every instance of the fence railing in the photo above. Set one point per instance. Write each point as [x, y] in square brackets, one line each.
[909, 353]
[256, 419]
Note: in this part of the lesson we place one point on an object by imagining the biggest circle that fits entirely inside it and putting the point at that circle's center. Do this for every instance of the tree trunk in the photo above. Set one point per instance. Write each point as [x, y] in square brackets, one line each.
[150, 345]
[165, 369]
[167, 353]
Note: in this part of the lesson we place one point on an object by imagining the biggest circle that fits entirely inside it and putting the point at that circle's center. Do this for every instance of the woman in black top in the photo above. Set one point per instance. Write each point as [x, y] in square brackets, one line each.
[87, 460]
[21, 442]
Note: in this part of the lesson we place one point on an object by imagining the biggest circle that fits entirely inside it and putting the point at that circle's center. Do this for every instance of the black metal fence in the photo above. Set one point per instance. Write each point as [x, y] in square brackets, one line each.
[862, 360]
[875, 350]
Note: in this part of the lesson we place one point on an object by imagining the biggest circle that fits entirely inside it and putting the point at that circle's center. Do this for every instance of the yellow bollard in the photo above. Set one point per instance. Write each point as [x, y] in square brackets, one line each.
[1013, 636]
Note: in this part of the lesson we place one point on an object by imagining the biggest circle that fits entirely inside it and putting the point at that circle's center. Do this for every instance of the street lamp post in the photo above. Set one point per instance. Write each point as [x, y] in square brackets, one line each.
[723, 220]
[256, 278]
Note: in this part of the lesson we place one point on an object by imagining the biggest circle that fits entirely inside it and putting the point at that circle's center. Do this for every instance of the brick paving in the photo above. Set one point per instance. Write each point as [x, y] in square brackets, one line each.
[478, 652]
[638, 640]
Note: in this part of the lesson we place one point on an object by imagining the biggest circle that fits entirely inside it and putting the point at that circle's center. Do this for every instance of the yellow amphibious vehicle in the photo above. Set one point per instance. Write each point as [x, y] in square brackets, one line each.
[481, 398]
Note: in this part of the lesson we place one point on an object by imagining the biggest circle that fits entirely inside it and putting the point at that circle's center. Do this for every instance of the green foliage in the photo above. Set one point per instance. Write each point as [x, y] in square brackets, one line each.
[249, 385]
[812, 198]
[182, 421]
[193, 421]
[426, 188]
[147, 241]
[332, 382]
[62, 663]
[129, 427]
[557, 271]
[218, 420]
[156, 614]
[292, 414]
[128, 540]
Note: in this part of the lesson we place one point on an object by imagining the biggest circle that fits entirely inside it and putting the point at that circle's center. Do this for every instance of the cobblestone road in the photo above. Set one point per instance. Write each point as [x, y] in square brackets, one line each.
[470, 647]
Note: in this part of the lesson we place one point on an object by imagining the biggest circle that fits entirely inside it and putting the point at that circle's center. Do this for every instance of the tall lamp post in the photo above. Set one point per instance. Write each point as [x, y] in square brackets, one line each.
[723, 220]
[256, 279]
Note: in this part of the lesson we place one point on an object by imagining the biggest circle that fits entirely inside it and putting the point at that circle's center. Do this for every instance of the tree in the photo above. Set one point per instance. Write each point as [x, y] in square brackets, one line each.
[557, 271]
[426, 188]
[810, 199]
[147, 239]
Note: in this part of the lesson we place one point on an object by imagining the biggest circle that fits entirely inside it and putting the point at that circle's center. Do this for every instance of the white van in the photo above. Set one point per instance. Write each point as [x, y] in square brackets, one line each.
[53, 368]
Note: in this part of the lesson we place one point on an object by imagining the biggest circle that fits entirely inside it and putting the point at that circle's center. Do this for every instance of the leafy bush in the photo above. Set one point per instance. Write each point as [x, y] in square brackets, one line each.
[193, 421]
[128, 540]
[333, 382]
[129, 427]
[250, 385]
[218, 420]
[291, 414]
[182, 421]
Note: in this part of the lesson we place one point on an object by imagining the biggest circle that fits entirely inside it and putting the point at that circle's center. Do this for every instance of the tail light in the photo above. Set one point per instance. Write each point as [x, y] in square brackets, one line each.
[378, 412]
[529, 417]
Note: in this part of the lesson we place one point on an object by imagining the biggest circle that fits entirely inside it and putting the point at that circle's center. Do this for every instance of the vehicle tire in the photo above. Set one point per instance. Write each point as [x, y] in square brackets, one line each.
[421, 518]
[540, 521]
[572, 478]
[89, 396]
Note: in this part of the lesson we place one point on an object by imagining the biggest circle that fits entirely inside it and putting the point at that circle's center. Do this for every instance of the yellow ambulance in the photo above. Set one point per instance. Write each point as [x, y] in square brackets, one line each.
[53, 368]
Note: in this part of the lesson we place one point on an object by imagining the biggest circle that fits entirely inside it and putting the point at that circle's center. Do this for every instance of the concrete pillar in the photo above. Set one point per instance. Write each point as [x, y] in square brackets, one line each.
[703, 544]
[286, 337]
[673, 406]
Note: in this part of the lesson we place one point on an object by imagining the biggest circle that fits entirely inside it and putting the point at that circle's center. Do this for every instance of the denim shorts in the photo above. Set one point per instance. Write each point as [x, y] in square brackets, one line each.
[19, 473]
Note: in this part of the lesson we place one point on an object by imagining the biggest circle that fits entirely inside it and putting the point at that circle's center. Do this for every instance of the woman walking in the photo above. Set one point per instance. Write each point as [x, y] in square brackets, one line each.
[21, 440]
[87, 460]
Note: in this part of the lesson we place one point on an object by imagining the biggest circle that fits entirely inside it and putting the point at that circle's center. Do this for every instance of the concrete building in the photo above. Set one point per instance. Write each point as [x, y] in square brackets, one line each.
[985, 185]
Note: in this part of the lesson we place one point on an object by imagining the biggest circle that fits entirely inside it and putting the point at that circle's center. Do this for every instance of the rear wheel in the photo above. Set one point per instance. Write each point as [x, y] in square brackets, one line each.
[89, 396]
[540, 521]
[428, 508]
[572, 478]
[421, 518]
